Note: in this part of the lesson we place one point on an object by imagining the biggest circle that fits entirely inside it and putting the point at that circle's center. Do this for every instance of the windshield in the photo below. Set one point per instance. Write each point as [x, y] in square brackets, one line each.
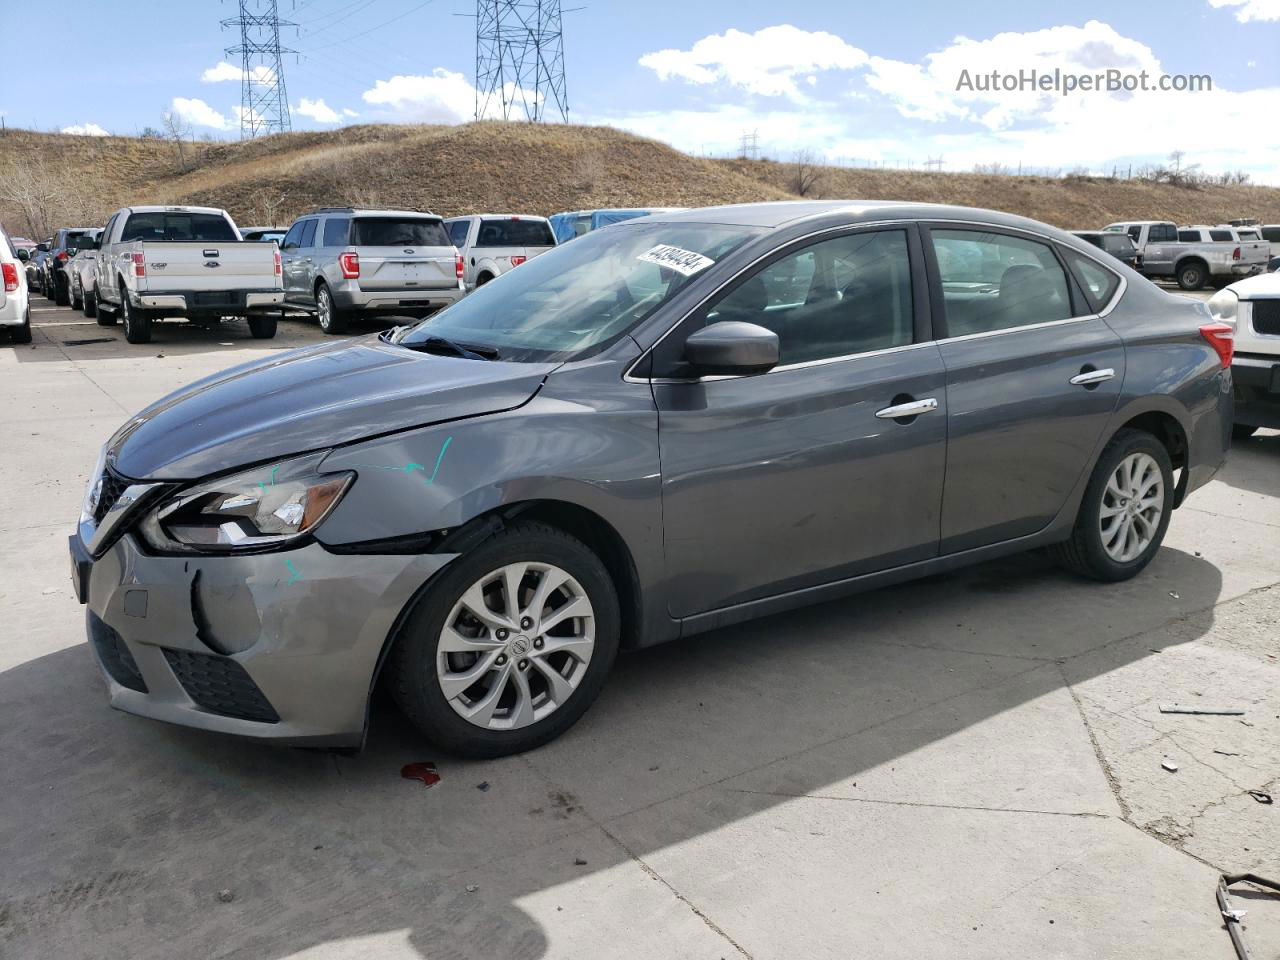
[583, 295]
[399, 232]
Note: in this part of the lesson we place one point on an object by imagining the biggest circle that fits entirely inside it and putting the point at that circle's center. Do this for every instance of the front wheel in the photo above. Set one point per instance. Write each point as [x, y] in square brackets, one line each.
[137, 323]
[91, 306]
[77, 302]
[510, 646]
[1125, 511]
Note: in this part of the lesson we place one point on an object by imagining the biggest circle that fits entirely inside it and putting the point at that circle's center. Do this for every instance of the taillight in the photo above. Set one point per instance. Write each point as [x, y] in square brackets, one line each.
[349, 264]
[139, 264]
[1221, 337]
[10, 277]
[61, 255]
[279, 268]
[1235, 254]
[516, 261]
[457, 265]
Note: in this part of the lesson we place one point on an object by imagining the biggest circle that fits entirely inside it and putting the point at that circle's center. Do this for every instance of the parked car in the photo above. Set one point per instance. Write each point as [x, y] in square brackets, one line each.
[15, 301]
[1271, 234]
[340, 262]
[166, 262]
[80, 271]
[493, 243]
[66, 241]
[1193, 263]
[675, 424]
[264, 234]
[1119, 245]
[575, 223]
[1252, 306]
[37, 263]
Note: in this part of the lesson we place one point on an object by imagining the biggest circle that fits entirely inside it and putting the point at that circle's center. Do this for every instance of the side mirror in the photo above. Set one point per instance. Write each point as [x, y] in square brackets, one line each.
[23, 255]
[732, 347]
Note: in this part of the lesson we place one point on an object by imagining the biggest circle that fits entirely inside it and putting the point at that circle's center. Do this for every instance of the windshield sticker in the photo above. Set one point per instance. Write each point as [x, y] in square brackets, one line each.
[684, 262]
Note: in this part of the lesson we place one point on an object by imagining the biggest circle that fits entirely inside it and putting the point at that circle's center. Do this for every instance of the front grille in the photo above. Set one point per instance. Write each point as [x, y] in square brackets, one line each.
[112, 486]
[115, 656]
[1266, 317]
[220, 685]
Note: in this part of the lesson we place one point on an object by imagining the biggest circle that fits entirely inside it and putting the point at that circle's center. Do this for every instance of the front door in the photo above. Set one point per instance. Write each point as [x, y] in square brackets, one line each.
[1033, 375]
[800, 476]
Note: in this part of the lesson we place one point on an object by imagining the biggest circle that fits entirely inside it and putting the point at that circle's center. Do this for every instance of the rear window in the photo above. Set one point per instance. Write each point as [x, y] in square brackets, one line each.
[399, 232]
[1117, 244]
[1162, 233]
[515, 233]
[1221, 235]
[195, 227]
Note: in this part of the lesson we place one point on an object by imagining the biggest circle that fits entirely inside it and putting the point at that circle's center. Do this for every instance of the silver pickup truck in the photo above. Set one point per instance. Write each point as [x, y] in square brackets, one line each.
[493, 243]
[158, 262]
[1193, 258]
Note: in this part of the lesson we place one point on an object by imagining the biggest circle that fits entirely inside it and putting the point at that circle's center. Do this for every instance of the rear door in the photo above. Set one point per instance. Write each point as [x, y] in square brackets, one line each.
[1161, 248]
[404, 253]
[1032, 377]
[796, 477]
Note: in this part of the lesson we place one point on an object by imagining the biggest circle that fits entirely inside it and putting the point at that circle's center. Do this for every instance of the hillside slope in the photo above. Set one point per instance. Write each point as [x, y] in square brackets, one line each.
[516, 168]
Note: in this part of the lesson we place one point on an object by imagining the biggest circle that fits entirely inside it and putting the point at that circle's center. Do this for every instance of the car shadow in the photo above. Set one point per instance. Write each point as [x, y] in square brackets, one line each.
[1254, 463]
[125, 837]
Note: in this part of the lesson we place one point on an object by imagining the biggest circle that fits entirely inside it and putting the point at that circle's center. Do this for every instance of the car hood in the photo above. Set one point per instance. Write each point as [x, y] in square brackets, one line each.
[1261, 286]
[310, 399]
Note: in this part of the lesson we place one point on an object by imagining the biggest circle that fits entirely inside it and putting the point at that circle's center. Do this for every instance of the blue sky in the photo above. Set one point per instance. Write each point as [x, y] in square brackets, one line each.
[854, 82]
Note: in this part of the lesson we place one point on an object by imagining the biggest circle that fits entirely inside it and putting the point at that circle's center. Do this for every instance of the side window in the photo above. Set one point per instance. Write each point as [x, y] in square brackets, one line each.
[293, 237]
[308, 233]
[1271, 234]
[458, 233]
[1135, 234]
[106, 231]
[1163, 233]
[1099, 283]
[1188, 236]
[838, 297]
[1222, 236]
[993, 281]
[336, 231]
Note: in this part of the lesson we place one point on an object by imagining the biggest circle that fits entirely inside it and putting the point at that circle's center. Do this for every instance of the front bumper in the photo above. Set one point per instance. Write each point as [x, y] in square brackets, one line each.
[1257, 389]
[347, 296]
[275, 646]
[218, 303]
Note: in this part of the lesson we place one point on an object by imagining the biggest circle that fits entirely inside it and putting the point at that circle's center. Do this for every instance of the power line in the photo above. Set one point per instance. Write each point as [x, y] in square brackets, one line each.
[374, 29]
[520, 59]
[264, 101]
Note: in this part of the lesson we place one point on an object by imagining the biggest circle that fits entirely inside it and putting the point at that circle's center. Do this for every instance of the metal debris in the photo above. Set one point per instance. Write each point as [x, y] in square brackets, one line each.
[1225, 753]
[1169, 765]
[226, 896]
[1202, 711]
[1260, 795]
[1230, 915]
[579, 862]
[472, 888]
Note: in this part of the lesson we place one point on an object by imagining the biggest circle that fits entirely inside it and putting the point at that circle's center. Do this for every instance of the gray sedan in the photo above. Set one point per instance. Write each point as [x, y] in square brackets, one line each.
[667, 426]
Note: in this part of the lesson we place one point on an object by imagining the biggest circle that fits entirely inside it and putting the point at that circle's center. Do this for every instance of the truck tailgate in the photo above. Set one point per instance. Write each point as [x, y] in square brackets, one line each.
[187, 265]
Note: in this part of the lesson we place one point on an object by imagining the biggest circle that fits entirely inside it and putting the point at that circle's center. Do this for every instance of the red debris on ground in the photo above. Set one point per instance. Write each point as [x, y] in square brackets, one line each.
[426, 772]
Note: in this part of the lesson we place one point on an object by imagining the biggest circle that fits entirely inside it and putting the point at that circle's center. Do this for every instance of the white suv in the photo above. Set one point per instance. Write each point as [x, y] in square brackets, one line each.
[15, 304]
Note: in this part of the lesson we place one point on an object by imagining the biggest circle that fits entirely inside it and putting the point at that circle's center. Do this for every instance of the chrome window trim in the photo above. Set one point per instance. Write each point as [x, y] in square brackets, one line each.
[628, 377]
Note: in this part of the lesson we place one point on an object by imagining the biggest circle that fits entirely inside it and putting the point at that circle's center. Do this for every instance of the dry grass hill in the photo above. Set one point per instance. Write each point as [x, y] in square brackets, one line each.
[518, 168]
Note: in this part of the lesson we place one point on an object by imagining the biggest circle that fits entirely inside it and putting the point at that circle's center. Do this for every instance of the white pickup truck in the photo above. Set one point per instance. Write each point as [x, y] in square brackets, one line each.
[1198, 259]
[1253, 307]
[161, 262]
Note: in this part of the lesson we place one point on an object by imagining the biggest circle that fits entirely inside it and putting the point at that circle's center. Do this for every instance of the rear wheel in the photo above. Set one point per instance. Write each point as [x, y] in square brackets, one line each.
[1192, 276]
[483, 279]
[262, 326]
[21, 334]
[511, 646]
[91, 305]
[137, 322]
[1125, 511]
[61, 293]
[331, 319]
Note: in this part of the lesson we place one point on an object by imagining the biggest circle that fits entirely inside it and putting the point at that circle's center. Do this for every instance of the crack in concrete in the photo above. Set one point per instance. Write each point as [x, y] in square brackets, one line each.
[922, 803]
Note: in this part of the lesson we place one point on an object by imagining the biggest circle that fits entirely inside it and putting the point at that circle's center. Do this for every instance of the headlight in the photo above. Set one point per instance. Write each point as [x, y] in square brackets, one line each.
[262, 507]
[1223, 306]
[94, 490]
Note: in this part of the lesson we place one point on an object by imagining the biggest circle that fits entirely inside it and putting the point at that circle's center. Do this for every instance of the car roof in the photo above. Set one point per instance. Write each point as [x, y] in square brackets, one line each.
[155, 208]
[497, 216]
[360, 212]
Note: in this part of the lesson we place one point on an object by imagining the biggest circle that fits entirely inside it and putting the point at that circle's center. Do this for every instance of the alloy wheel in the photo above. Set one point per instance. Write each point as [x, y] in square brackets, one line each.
[324, 309]
[1132, 504]
[515, 646]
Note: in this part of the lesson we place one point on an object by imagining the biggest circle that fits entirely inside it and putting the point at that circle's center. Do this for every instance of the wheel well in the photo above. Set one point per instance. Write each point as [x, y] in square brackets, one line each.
[1188, 261]
[1166, 428]
[484, 277]
[320, 282]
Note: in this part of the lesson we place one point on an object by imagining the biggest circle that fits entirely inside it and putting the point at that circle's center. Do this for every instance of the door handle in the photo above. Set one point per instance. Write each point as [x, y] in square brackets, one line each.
[1089, 378]
[912, 409]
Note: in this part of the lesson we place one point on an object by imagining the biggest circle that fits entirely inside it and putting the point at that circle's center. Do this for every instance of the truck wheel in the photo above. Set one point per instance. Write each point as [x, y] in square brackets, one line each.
[91, 306]
[483, 279]
[1192, 276]
[262, 326]
[332, 320]
[137, 323]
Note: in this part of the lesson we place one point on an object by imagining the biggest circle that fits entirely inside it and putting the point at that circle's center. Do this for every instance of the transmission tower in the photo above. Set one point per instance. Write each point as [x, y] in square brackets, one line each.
[520, 60]
[264, 102]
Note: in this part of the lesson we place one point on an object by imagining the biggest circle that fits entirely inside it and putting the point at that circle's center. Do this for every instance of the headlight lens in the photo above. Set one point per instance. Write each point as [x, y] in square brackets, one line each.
[94, 489]
[1224, 306]
[262, 507]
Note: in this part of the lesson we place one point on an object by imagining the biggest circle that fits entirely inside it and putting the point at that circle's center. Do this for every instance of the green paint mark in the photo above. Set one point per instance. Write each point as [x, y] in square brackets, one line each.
[410, 468]
[440, 459]
[294, 576]
[274, 470]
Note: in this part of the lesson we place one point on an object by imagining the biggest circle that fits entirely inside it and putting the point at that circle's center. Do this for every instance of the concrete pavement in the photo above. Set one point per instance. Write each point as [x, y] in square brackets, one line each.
[968, 766]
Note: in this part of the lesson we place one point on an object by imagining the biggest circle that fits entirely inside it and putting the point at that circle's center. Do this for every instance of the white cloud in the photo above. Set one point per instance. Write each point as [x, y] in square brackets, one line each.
[200, 114]
[224, 72]
[317, 110]
[766, 62]
[440, 97]
[1247, 10]
[348, 112]
[86, 130]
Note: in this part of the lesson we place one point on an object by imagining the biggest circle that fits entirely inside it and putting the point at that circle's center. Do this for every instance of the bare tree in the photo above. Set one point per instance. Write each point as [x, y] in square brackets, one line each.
[267, 206]
[176, 129]
[806, 174]
[34, 193]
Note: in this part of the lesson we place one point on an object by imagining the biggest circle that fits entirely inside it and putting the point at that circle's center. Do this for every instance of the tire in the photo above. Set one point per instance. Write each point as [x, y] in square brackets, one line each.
[1085, 552]
[77, 302]
[21, 334]
[262, 326]
[137, 323]
[1242, 431]
[91, 307]
[61, 293]
[413, 669]
[1193, 275]
[483, 279]
[332, 320]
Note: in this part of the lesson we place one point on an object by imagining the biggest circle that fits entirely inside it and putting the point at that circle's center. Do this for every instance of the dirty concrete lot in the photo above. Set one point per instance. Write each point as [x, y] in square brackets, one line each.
[968, 766]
